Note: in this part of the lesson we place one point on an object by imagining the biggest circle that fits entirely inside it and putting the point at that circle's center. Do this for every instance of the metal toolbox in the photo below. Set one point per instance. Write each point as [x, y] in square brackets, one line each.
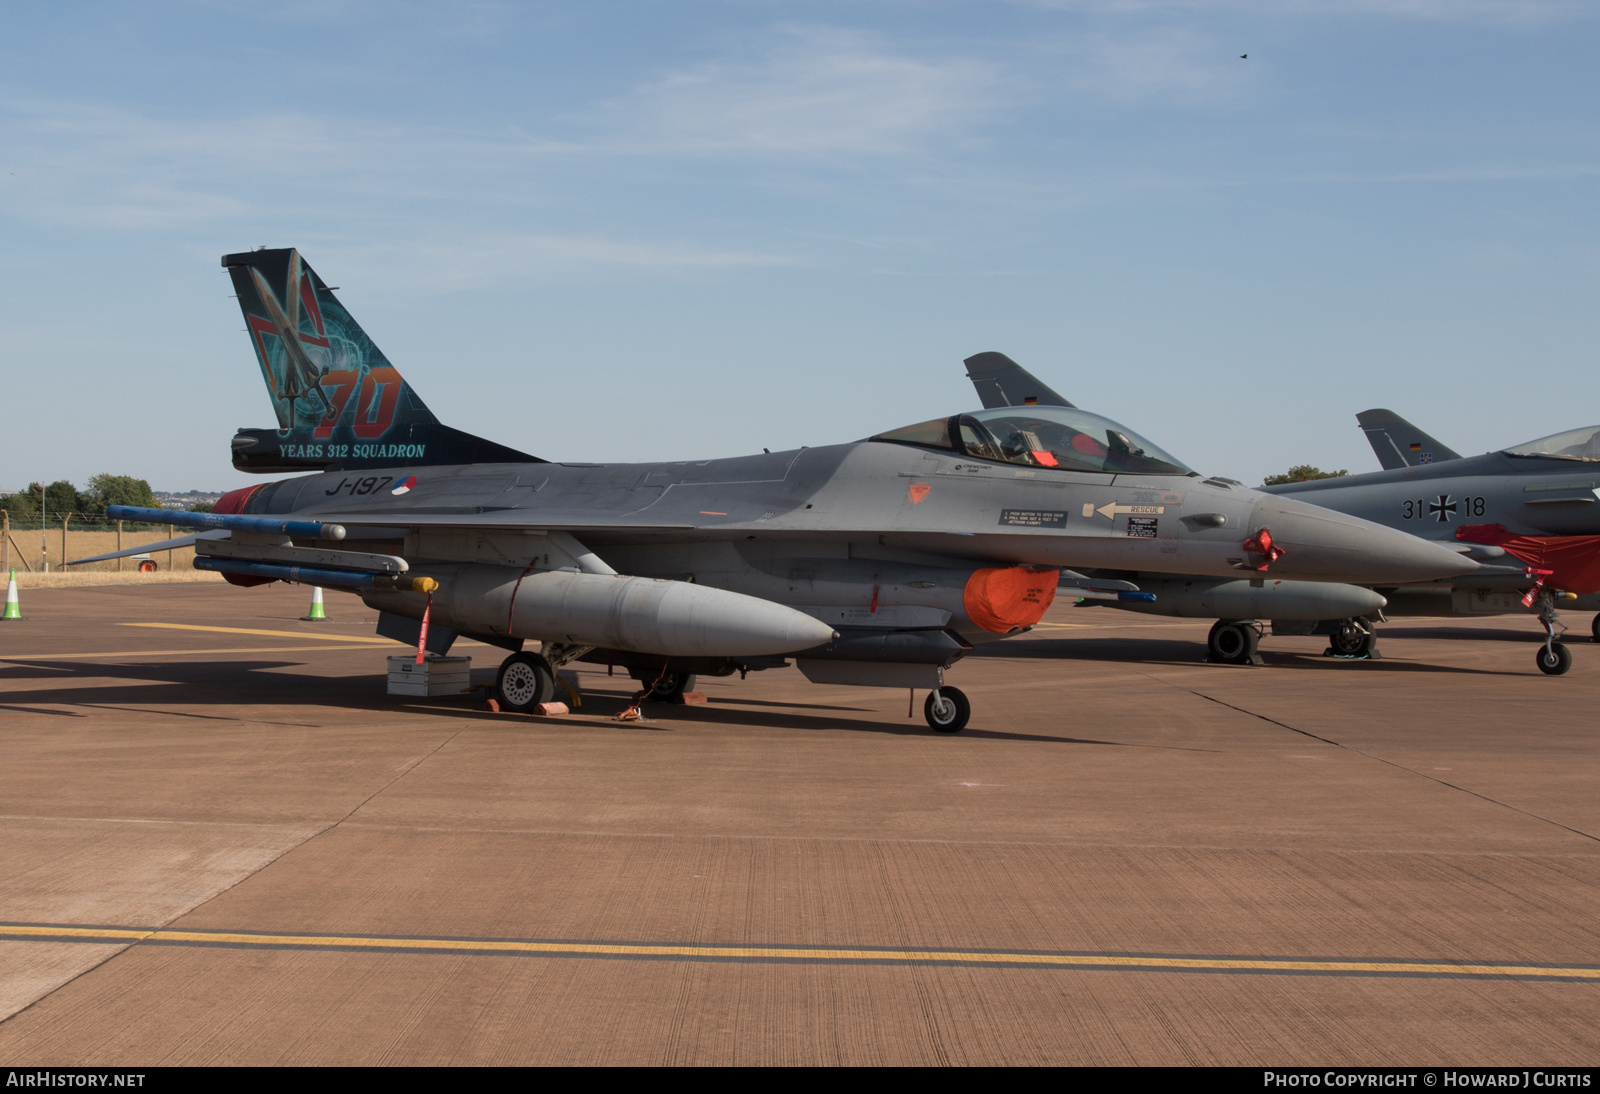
[435, 676]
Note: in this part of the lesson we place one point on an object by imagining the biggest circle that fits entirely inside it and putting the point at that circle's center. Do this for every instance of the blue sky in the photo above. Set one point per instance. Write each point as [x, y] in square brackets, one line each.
[624, 231]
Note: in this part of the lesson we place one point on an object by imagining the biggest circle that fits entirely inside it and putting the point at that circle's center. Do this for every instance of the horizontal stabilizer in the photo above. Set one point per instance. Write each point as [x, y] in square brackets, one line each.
[1002, 382]
[1397, 443]
[146, 548]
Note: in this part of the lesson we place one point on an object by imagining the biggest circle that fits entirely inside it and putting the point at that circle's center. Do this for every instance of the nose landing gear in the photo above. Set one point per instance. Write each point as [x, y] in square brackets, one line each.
[1553, 657]
[947, 709]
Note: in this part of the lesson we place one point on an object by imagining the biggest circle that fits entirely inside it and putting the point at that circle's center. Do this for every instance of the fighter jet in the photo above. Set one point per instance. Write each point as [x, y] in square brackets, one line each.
[1527, 512]
[879, 562]
[1535, 502]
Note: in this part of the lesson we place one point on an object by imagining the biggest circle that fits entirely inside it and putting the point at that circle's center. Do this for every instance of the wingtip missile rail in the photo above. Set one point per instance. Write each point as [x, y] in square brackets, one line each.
[232, 522]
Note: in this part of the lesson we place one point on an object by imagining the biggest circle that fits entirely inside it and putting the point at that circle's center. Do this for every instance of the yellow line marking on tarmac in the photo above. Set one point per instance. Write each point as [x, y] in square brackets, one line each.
[274, 634]
[1155, 962]
[113, 654]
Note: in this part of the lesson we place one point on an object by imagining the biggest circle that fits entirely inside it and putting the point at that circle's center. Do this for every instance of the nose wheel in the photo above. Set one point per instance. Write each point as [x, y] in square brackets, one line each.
[947, 710]
[524, 682]
[1554, 659]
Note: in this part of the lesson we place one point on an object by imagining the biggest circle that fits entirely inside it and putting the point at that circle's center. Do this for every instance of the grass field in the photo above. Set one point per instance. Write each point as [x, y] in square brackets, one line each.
[22, 551]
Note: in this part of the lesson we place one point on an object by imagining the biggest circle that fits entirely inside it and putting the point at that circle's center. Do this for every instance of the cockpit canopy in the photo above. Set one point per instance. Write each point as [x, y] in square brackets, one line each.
[1575, 444]
[1041, 436]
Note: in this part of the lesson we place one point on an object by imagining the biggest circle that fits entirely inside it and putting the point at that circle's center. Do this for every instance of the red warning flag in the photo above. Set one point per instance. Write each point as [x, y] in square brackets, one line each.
[1573, 562]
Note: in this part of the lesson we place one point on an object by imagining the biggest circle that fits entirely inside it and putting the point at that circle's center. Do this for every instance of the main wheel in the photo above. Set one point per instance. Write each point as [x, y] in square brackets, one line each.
[1232, 642]
[669, 687]
[1350, 640]
[1554, 659]
[524, 682]
[148, 567]
[1594, 628]
[947, 710]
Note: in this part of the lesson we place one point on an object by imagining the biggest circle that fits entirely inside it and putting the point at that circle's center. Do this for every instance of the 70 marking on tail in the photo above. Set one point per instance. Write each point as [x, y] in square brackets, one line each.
[380, 394]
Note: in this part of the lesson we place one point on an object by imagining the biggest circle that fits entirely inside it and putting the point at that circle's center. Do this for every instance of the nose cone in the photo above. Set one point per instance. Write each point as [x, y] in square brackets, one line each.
[1322, 545]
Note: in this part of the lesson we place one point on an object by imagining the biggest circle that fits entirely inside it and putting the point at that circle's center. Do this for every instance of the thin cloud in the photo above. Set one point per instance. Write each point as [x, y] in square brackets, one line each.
[819, 91]
[1173, 64]
[1453, 11]
[460, 263]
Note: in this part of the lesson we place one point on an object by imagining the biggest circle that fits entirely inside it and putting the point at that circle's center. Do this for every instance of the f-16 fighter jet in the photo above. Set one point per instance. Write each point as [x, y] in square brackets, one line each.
[1529, 513]
[880, 562]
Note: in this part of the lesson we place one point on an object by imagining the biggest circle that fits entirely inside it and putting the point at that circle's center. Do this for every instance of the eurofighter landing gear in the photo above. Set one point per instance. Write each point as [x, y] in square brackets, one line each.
[947, 709]
[1594, 628]
[1553, 658]
[524, 682]
[1233, 642]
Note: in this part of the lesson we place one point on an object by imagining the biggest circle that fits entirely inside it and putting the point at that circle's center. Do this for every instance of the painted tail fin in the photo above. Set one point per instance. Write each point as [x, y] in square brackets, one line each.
[340, 404]
[1002, 382]
[1397, 443]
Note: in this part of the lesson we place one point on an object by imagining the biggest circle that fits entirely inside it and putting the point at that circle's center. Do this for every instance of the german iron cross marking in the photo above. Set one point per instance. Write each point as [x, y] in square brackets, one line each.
[1443, 509]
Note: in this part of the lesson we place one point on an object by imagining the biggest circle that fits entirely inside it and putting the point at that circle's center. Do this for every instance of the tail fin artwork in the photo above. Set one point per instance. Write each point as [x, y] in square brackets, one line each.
[340, 404]
[1002, 382]
[1397, 443]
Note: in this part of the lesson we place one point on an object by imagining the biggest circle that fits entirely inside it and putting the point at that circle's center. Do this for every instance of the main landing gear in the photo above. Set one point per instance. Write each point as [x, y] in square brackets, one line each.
[668, 687]
[947, 709]
[1553, 657]
[525, 681]
[1353, 638]
[1233, 642]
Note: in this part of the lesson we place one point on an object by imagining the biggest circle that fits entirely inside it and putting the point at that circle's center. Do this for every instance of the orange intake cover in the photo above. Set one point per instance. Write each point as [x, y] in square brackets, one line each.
[1003, 599]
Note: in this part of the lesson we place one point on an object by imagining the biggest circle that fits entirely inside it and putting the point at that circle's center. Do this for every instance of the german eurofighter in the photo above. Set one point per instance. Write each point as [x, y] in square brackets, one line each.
[1528, 513]
[880, 562]
[1537, 504]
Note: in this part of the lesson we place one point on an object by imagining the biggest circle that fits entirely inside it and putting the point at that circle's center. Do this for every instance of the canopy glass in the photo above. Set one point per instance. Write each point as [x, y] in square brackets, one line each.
[1042, 436]
[1575, 444]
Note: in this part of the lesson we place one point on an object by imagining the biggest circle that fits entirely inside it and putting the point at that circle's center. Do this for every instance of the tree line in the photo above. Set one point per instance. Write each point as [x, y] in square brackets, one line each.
[61, 500]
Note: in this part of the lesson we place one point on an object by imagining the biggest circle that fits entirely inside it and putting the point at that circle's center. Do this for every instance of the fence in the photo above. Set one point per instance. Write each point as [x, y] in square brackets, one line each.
[40, 547]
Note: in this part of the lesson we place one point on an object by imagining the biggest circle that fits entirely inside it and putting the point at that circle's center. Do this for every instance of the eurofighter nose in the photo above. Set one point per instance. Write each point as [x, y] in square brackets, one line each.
[1327, 546]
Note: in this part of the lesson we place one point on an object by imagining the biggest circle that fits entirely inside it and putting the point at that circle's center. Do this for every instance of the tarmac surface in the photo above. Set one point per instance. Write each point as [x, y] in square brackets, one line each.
[221, 842]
